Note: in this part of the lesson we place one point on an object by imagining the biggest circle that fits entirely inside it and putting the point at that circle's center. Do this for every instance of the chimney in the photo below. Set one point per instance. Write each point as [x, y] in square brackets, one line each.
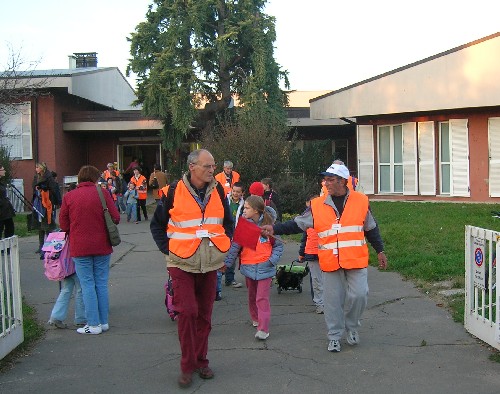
[84, 60]
[72, 62]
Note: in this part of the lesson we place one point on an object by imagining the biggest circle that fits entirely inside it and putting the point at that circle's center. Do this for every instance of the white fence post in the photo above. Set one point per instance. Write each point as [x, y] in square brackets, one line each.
[482, 302]
[11, 334]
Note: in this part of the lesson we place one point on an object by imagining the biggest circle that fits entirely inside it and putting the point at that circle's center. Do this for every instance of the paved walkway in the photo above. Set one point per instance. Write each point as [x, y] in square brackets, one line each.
[408, 344]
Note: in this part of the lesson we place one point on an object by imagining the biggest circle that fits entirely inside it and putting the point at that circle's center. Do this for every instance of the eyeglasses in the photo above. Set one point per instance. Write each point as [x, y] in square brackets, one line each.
[207, 166]
[331, 180]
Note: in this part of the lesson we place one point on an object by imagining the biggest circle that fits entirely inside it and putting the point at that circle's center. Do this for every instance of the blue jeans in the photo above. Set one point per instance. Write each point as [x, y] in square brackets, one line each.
[218, 287]
[121, 204]
[60, 309]
[230, 273]
[93, 272]
[131, 212]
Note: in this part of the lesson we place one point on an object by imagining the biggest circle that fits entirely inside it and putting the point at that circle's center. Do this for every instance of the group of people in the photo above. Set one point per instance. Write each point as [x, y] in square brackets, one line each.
[203, 225]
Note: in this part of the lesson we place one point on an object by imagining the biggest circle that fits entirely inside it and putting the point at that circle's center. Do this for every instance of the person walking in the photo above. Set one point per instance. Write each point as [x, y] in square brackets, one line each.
[257, 265]
[308, 251]
[7, 211]
[342, 220]
[141, 186]
[194, 230]
[227, 177]
[82, 216]
[130, 197]
[271, 197]
[45, 200]
[157, 181]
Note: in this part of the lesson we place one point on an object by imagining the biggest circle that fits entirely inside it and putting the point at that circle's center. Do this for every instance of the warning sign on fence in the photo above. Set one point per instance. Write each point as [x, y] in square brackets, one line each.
[478, 260]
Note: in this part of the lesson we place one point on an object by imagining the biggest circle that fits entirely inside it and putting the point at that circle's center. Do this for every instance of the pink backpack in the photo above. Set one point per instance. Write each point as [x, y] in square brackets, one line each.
[57, 261]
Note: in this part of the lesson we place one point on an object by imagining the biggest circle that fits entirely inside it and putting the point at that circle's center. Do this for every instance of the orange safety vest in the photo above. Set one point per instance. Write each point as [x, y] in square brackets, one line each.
[311, 242]
[341, 246]
[221, 178]
[141, 181]
[107, 174]
[260, 255]
[188, 224]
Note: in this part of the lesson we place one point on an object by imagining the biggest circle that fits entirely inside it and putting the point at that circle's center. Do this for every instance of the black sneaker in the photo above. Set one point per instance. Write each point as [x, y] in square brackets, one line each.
[218, 296]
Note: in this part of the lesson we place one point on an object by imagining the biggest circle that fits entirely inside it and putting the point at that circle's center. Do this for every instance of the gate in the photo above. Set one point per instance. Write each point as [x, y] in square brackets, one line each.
[482, 302]
[11, 334]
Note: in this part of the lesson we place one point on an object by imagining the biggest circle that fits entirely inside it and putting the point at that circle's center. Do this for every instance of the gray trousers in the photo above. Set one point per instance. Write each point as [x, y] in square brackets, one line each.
[345, 293]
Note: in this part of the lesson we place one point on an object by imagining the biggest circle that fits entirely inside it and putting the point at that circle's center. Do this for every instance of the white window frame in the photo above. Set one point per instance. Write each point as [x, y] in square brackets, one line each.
[391, 163]
[494, 156]
[459, 158]
[16, 134]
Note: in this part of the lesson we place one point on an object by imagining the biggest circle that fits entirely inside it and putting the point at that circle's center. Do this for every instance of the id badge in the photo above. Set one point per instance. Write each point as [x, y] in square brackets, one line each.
[202, 233]
[336, 226]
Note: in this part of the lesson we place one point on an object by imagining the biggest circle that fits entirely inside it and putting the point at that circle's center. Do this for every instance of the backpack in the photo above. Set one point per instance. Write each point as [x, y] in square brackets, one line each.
[57, 261]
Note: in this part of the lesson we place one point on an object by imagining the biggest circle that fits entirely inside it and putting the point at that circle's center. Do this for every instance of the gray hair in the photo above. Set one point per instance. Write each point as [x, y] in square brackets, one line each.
[339, 162]
[228, 163]
[194, 156]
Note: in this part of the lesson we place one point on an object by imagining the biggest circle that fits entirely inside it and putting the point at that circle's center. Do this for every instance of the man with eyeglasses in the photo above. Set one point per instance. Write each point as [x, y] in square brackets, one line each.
[343, 221]
[192, 226]
[227, 177]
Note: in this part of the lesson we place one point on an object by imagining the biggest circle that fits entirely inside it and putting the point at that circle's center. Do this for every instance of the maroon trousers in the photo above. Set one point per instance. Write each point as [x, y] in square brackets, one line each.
[194, 296]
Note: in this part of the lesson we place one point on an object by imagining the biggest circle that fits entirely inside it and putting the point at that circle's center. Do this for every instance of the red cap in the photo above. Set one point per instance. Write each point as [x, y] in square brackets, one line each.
[257, 189]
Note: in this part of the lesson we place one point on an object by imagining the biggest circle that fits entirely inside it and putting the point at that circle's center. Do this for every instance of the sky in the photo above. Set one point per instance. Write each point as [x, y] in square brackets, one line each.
[324, 44]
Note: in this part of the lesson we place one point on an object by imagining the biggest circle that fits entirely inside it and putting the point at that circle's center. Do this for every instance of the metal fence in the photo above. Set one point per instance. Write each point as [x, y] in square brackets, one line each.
[10, 296]
[482, 299]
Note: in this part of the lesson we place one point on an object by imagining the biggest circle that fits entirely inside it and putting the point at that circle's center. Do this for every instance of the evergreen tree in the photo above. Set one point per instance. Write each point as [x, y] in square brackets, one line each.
[193, 54]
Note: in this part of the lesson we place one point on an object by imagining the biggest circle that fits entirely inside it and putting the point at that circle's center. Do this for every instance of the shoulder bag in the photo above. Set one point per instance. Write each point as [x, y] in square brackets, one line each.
[114, 235]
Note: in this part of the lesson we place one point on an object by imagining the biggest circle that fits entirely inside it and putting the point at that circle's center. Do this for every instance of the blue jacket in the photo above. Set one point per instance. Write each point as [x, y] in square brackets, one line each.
[256, 271]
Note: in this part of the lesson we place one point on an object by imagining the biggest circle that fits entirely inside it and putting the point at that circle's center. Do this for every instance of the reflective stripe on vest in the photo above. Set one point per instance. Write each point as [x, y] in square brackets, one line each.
[345, 247]
[186, 218]
[141, 181]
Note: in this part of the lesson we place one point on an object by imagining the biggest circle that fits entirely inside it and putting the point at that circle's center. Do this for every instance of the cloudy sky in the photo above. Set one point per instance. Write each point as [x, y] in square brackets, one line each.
[324, 44]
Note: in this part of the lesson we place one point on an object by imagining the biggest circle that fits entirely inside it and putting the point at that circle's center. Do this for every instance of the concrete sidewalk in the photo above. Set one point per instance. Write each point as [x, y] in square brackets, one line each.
[408, 344]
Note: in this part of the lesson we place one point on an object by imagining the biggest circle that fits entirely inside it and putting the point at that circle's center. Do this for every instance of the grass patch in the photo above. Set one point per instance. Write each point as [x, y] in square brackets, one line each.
[33, 331]
[21, 225]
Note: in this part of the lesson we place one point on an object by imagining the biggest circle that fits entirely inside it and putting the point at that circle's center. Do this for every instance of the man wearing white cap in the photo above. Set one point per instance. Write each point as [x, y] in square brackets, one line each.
[343, 221]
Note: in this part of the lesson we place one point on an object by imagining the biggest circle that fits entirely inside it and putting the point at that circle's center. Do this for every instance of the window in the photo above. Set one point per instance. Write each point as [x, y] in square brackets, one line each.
[454, 158]
[444, 158]
[15, 126]
[390, 153]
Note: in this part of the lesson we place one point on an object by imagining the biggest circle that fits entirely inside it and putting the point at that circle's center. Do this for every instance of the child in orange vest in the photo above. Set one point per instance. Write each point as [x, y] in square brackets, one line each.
[258, 266]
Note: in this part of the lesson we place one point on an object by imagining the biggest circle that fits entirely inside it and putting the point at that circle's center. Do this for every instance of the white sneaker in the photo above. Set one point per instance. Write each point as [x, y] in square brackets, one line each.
[236, 285]
[255, 323]
[319, 309]
[261, 335]
[334, 346]
[352, 337]
[89, 330]
[104, 327]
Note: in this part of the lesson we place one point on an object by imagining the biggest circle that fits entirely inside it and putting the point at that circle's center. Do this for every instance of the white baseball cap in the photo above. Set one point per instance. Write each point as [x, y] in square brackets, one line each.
[338, 170]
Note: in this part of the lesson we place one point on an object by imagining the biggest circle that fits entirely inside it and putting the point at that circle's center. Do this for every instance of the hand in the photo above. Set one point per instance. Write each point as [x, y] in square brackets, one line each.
[267, 230]
[382, 261]
[301, 258]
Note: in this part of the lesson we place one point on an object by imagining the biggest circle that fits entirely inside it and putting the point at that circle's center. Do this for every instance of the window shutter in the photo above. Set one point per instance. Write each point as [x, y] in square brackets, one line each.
[459, 133]
[365, 158]
[410, 158]
[494, 149]
[26, 131]
[427, 159]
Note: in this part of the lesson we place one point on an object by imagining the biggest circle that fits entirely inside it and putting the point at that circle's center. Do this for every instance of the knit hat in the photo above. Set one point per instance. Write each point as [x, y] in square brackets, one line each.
[257, 189]
[338, 170]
